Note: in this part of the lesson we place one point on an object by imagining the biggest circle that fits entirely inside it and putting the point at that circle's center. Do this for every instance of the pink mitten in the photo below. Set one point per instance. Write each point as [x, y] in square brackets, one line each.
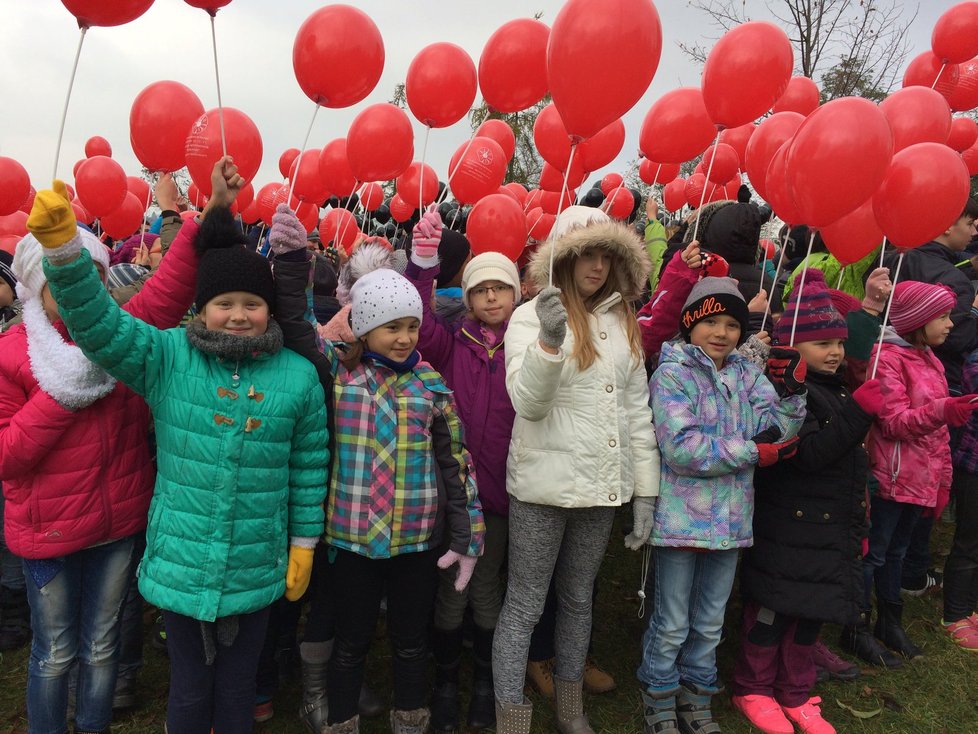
[427, 235]
[466, 565]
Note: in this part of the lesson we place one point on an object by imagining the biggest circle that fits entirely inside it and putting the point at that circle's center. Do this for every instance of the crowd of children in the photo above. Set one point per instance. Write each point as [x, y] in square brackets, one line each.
[417, 429]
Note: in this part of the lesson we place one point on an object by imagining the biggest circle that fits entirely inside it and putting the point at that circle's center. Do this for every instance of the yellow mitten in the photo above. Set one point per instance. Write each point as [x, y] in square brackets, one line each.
[52, 220]
[300, 570]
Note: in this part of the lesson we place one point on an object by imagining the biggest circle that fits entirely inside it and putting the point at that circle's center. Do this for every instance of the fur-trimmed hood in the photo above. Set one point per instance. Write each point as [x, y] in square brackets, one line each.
[621, 240]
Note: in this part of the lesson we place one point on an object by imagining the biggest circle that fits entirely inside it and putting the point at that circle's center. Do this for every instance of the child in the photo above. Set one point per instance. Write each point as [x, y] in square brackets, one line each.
[716, 418]
[401, 485]
[241, 451]
[470, 354]
[805, 566]
[908, 444]
[582, 445]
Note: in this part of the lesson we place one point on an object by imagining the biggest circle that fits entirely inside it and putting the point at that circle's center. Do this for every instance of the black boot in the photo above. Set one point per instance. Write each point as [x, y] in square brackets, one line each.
[889, 629]
[314, 657]
[482, 706]
[858, 640]
[15, 628]
[447, 646]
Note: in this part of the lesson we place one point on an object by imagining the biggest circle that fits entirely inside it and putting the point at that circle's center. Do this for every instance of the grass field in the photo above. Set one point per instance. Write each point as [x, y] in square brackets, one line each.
[937, 694]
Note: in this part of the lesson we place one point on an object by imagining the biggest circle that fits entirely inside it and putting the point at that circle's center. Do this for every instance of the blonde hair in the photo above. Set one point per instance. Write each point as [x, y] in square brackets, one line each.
[578, 309]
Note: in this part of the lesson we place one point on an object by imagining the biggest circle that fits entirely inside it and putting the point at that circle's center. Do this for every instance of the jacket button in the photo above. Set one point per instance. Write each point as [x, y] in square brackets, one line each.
[612, 443]
[609, 388]
[863, 504]
[612, 497]
[799, 513]
[603, 335]
[825, 516]
[723, 543]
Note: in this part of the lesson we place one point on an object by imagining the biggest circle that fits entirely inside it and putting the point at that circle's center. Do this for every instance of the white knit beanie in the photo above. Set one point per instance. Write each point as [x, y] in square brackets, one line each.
[489, 266]
[29, 254]
[577, 216]
[382, 296]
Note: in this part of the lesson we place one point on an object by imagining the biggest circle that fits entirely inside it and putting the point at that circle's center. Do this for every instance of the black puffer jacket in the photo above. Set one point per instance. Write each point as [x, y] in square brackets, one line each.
[810, 514]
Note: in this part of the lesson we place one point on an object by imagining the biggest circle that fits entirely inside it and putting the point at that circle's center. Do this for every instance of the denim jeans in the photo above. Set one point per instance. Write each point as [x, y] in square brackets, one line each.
[890, 532]
[11, 567]
[691, 593]
[75, 616]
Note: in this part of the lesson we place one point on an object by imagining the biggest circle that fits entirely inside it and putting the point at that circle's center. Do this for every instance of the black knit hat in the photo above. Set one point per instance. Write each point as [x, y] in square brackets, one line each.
[6, 274]
[233, 269]
[711, 297]
[453, 251]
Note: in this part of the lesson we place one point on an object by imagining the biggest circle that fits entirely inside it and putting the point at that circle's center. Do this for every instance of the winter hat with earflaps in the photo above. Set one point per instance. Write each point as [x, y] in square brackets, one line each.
[380, 297]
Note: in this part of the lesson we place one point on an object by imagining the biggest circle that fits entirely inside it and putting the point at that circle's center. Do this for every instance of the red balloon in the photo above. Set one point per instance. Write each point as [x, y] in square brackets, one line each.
[372, 195]
[964, 133]
[339, 226]
[970, 158]
[8, 243]
[159, 121]
[74, 168]
[409, 184]
[924, 192]
[195, 197]
[611, 182]
[478, 172]
[917, 115]
[694, 191]
[14, 224]
[553, 180]
[589, 92]
[250, 213]
[245, 196]
[440, 85]
[837, 159]
[334, 168]
[676, 127]
[106, 12]
[674, 194]
[552, 201]
[619, 203]
[925, 68]
[502, 133]
[401, 211]
[380, 143]
[15, 185]
[854, 236]
[539, 223]
[953, 39]
[97, 145]
[771, 134]
[268, 197]
[657, 173]
[101, 184]
[286, 160]
[746, 73]
[518, 190]
[601, 149]
[140, 189]
[964, 95]
[204, 148]
[308, 215]
[801, 96]
[721, 162]
[338, 56]
[513, 65]
[497, 224]
[506, 192]
[211, 6]
[778, 191]
[125, 220]
[534, 198]
[29, 201]
[738, 138]
[307, 184]
[550, 137]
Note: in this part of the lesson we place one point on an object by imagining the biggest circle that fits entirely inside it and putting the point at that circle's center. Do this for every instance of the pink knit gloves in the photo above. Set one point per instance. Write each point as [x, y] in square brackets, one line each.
[427, 235]
[287, 233]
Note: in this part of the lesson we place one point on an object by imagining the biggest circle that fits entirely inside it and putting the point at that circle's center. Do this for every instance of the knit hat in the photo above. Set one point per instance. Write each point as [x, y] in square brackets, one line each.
[453, 250]
[915, 303]
[29, 254]
[733, 232]
[6, 274]
[125, 252]
[843, 302]
[813, 317]
[577, 216]
[711, 297]
[489, 266]
[234, 268]
[125, 274]
[380, 297]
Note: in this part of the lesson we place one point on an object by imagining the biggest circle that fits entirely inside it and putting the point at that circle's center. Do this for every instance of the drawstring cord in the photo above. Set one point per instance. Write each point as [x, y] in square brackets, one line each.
[646, 567]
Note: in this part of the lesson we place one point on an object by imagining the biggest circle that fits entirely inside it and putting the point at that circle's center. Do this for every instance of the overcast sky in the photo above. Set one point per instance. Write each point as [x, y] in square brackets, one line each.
[38, 39]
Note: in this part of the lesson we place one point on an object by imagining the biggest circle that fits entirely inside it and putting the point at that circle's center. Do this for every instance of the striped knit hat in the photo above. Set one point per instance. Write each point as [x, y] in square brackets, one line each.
[916, 303]
[814, 317]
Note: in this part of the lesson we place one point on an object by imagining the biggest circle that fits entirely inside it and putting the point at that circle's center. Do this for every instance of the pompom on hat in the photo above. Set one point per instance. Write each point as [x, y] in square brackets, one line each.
[813, 316]
[382, 296]
[915, 303]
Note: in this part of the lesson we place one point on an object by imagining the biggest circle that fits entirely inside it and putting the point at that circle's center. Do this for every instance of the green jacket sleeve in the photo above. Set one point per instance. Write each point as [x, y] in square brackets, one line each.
[655, 245]
[307, 467]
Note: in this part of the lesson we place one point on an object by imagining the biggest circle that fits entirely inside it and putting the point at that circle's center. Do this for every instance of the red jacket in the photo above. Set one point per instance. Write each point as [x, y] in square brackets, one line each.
[75, 479]
[658, 320]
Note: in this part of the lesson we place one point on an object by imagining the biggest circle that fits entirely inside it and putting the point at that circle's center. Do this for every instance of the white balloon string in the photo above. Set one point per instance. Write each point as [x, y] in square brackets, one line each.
[560, 208]
[298, 158]
[64, 112]
[882, 252]
[938, 77]
[838, 286]
[801, 287]
[774, 282]
[149, 199]
[709, 170]
[217, 77]
[886, 317]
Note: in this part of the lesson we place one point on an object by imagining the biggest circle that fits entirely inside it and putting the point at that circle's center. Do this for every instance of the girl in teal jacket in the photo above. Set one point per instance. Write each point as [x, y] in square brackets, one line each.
[241, 432]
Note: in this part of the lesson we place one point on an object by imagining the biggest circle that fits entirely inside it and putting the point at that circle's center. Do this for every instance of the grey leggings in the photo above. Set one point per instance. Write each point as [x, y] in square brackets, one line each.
[544, 541]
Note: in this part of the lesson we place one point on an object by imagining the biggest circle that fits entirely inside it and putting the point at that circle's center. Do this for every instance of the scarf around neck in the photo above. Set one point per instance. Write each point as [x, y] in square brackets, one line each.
[228, 346]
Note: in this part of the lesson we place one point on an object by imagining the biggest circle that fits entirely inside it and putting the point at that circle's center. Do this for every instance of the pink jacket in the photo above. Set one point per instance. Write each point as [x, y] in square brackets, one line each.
[908, 444]
[658, 320]
[75, 479]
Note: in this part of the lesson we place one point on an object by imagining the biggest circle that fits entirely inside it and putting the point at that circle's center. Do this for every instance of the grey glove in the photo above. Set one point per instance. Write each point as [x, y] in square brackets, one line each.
[287, 233]
[553, 317]
[643, 508]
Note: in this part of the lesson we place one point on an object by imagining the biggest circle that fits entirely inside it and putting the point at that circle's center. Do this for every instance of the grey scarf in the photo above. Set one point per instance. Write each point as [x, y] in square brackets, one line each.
[231, 347]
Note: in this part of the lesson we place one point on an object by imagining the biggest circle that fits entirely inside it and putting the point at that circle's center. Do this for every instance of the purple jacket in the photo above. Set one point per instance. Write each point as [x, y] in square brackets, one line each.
[477, 376]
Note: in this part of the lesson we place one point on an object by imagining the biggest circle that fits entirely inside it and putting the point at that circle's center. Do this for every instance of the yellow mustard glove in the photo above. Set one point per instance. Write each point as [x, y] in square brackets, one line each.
[300, 570]
[52, 220]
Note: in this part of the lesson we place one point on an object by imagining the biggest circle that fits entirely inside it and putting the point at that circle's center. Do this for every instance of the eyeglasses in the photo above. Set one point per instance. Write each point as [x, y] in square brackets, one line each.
[482, 290]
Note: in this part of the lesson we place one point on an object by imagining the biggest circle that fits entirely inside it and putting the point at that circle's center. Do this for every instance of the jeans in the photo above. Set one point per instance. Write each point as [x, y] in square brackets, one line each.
[691, 593]
[890, 532]
[11, 566]
[75, 616]
[220, 695]
[961, 567]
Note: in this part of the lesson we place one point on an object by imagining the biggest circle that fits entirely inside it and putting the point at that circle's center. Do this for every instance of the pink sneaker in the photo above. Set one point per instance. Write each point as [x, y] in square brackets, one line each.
[764, 713]
[808, 716]
[964, 632]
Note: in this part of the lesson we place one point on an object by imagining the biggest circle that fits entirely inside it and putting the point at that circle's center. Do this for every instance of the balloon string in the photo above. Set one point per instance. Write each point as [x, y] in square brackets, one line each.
[882, 252]
[454, 217]
[709, 170]
[64, 113]
[801, 286]
[938, 77]
[298, 159]
[838, 286]
[886, 317]
[217, 77]
[774, 281]
[357, 186]
[608, 200]
[424, 155]
[149, 198]
[560, 208]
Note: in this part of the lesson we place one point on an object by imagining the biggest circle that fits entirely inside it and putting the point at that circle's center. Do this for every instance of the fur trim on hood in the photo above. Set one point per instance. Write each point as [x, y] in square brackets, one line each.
[621, 240]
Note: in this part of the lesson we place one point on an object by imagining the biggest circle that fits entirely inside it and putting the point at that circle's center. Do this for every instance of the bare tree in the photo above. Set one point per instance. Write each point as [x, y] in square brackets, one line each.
[526, 165]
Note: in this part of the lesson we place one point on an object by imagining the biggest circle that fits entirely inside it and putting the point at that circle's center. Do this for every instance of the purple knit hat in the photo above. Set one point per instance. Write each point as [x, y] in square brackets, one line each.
[815, 317]
[915, 303]
[127, 250]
